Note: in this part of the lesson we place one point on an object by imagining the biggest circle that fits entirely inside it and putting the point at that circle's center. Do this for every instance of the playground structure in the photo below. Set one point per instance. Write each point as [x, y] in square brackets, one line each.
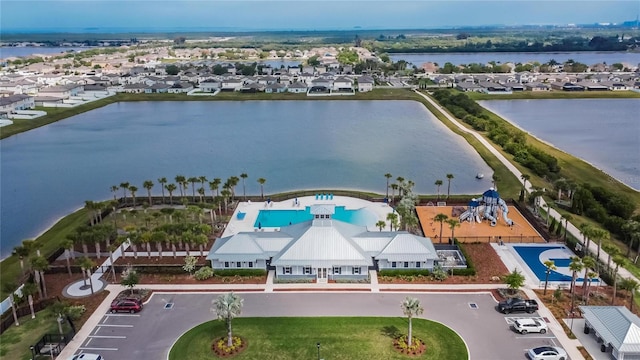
[487, 207]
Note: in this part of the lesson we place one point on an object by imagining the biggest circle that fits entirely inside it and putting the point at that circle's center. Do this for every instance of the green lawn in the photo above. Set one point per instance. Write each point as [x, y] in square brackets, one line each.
[341, 338]
[15, 341]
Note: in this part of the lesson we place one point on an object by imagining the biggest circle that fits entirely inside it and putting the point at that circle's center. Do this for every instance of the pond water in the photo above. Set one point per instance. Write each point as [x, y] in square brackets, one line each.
[50, 171]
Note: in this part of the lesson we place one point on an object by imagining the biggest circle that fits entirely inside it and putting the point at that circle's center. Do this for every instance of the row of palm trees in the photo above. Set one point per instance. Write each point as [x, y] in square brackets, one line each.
[183, 183]
[400, 182]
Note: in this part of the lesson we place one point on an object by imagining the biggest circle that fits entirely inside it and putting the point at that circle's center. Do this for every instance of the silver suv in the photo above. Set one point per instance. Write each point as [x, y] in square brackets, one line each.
[530, 325]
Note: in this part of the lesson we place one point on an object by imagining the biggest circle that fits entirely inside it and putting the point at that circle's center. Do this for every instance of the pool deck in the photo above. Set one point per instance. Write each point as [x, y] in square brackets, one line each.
[251, 210]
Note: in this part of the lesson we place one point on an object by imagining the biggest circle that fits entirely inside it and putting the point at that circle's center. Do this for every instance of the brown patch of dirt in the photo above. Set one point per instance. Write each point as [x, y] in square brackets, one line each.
[187, 279]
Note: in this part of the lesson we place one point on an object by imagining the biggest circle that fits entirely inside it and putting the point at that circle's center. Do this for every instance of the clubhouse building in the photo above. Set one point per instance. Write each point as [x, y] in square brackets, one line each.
[322, 248]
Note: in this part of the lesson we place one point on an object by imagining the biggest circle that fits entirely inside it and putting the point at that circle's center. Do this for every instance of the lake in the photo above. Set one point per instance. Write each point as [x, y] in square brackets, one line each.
[50, 171]
[589, 57]
[604, 132]
[11, 51]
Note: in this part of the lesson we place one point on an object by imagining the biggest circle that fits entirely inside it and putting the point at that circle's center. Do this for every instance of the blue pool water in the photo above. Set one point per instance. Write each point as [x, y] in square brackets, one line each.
[531, 256]
[280, 218]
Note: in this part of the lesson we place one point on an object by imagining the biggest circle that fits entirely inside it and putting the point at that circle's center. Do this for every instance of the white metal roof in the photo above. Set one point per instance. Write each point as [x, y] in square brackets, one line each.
[408, 247]
[616, 325]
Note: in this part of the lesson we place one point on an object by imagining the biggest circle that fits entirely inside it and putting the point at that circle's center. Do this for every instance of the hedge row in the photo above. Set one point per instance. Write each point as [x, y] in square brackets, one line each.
[404, 272]
[471, 269]
[239, 272]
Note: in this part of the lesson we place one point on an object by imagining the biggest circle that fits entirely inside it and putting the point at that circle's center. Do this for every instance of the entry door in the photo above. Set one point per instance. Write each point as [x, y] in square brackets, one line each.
[322, 273]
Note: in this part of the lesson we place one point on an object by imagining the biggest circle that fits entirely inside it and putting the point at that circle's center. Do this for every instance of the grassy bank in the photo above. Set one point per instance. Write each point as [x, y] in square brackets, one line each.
[48, 242]
[340, 338]
[557, 95]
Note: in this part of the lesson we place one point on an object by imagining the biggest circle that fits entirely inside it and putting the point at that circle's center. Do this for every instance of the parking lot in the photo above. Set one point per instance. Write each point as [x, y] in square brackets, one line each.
[151, 333]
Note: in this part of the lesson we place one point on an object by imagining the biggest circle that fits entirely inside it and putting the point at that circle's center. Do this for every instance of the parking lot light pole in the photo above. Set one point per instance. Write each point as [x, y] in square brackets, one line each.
[318, 345]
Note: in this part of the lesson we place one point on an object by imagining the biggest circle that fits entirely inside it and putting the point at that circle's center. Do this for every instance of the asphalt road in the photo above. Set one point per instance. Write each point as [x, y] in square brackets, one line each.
[151, 333]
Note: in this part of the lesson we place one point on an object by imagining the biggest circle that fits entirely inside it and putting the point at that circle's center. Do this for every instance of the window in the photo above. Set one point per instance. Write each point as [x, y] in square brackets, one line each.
[406, 264]
[250, 264]
[238, 264]
[307, 270]
[286, 270]
[226, 264]
[393, 264]
[355, 271]
[336, 270]
[417, 264]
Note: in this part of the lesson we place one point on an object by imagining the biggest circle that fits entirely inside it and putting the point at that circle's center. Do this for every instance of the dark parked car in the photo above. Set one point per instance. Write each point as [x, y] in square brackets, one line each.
[126, 305]
[517, 305]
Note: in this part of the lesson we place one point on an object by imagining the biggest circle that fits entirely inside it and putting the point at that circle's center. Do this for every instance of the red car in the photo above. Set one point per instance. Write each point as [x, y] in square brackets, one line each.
[126, 305]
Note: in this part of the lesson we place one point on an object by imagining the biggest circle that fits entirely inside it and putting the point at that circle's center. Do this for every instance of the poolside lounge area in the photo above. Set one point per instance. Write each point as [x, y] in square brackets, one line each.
[247, 212]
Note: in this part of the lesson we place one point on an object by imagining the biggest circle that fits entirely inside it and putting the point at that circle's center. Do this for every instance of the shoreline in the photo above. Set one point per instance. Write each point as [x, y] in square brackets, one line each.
[512, 123]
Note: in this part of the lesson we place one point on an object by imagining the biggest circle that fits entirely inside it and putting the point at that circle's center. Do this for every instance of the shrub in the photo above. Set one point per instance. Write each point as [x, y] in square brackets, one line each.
[239, 272]
[439, 273]
[403, 272]
[75, 311]
[204, 273]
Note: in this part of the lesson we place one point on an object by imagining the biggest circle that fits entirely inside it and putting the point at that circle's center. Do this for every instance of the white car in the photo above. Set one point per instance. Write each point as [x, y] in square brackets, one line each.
[530, 325]
[548, 353]
[86, 356]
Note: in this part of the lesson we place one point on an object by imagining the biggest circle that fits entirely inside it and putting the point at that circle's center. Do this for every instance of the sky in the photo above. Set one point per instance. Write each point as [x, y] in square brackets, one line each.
[243, 15]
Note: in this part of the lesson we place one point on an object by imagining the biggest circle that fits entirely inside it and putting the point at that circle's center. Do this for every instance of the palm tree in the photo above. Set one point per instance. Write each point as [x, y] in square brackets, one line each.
[589, 263]
[21, 252]
[586, 231]
[244, 189]
[441, 218]
[618, 260]
[381, 224]
[575, 266]
[111, 248]
[124, 186]
[180, 179]
[171, 188]
[39, 264]
[393, 220]
[261, 181]
[162, 181]
[193, 180]
[114, 189]
[67, 245]
[90, 206]
[201, 193]
[133, 190]
[226, 193]
[599, 234]
[525, 178]
[567, 218]
[631, 286]
[550, 266]
[449, 178]
[453, 224]
[411, 307]
[217, 182]
[159, 236]
[227, 307]
[388, 176]
[393, 187]
[148, 184]
[612, 251]
[400, 181]
[202, 179]
[438, 183]
[86, 265]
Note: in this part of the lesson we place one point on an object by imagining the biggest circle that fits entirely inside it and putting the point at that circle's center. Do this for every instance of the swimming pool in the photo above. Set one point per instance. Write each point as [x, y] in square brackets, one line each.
[534, 257]
[280, 218]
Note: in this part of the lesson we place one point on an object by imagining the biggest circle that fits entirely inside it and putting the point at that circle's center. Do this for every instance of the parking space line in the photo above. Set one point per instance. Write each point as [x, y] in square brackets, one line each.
[88, 341]
[535, 337]
[107, 336]
[104, 319]
[98, 349]
[113, 325]
[126, 315]
[97, 329]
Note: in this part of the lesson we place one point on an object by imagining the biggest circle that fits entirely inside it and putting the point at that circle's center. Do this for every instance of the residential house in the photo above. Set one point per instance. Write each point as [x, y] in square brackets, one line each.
[9, 104]
[19, 87]
[180, 87]
[537, 86]
[230, 84]
[343, 84]
[275, 88]
[157, 88]
[466, 86]
[136, 88]
[209, 85]
[365, 83]
[62, 92]
[615, 85]
[297, 87]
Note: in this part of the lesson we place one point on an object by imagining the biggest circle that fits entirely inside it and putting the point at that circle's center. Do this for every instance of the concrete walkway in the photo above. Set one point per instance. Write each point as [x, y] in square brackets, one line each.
[571, 229]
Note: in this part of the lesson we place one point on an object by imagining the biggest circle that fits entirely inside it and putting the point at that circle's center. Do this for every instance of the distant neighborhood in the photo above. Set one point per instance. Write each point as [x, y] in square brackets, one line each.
[63, 81]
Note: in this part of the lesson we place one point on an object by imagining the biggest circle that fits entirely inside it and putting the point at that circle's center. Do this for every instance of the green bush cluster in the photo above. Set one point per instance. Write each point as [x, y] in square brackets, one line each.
[204, 273]
[239, 272]
[606, 207]
[512, 140]
[404, 272]
[471, 269]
